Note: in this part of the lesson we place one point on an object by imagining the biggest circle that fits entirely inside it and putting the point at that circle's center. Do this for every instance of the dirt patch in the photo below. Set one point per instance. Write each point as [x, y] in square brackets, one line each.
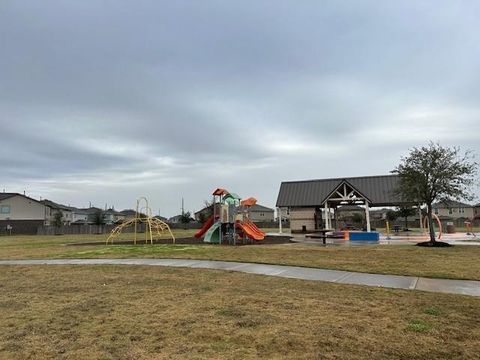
[269, 240]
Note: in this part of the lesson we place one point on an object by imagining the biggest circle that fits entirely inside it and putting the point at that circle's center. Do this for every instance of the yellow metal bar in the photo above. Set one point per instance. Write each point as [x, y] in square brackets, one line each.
[151, 224]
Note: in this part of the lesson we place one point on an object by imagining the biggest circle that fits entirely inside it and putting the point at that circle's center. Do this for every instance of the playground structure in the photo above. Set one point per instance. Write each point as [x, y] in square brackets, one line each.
[230, 222]
[469, 227]
[425, 227]
[154, 228]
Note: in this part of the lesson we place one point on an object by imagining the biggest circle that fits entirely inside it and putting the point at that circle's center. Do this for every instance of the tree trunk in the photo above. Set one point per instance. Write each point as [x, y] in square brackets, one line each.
[430, 223]
[406, 223]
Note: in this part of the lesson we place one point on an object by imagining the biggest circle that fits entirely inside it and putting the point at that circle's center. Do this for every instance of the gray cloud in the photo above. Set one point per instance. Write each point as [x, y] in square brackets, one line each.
[106, 101]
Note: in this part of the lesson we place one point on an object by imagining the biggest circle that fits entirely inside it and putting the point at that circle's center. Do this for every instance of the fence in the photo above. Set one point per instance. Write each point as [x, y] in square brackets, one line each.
[19, 227]
[75, 230]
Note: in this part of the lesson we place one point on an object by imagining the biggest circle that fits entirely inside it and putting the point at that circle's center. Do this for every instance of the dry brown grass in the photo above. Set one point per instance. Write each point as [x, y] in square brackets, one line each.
[162, 313]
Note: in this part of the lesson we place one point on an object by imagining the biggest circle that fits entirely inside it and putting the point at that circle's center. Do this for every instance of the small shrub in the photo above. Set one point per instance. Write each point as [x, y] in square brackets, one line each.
[433, 311]
[419, 326]
[230, 312]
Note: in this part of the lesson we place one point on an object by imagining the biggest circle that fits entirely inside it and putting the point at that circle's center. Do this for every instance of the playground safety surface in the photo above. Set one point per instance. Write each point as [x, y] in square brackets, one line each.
[462, 287]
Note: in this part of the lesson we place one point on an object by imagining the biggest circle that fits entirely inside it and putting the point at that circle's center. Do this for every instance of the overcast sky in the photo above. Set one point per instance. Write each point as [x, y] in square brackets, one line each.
[106, 101]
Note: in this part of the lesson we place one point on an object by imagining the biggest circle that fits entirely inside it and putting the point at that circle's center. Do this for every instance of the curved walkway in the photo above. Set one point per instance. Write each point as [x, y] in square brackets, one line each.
[463, 287]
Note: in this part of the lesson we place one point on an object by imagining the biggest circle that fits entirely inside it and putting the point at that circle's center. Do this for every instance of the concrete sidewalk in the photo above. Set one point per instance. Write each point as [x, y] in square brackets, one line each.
[463, 287]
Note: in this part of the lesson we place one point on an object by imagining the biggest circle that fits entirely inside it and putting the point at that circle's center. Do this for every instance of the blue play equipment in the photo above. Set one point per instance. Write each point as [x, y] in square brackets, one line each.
[364, 236]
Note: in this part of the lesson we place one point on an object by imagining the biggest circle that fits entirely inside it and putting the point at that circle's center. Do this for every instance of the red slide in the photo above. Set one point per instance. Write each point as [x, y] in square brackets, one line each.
[205, 227]
[252, 231]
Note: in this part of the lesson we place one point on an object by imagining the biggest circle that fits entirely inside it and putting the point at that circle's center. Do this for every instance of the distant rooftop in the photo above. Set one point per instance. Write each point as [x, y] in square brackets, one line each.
[6, 195]
[451, 204]
[260, 208]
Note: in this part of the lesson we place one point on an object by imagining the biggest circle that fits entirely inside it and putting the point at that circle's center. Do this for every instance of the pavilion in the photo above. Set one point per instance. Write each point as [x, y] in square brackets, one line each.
[306, 200]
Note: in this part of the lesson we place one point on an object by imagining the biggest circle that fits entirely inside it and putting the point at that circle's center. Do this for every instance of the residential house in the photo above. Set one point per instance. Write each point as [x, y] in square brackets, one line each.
[260, 213]
[349, 212]
[53, 208]
[380, 214]
[79, 216]
[129, 214]
[111, 216]
[453, 210]
[20, 214]
[285, 213]
[161, 218]
[203, 214]
[177, 219]
[92, 214]
[476, 211]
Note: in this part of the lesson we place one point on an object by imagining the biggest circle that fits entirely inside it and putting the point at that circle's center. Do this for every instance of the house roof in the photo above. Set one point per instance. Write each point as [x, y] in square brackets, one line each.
[131, 212]
[78, 211]
[204, 209]
[91, 210]
[164, 219]
[260, 208]
[179, 217]
[450, 204]
[55, 205]
[4, 196]
[379, 190]
[113, 212]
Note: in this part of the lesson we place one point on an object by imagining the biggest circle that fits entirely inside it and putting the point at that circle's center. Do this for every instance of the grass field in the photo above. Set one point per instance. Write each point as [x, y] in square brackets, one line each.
[100, 312]
[459, 262]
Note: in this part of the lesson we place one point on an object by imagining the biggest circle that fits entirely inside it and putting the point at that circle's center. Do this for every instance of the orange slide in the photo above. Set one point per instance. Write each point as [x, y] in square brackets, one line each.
[251, 230]
[205, 227]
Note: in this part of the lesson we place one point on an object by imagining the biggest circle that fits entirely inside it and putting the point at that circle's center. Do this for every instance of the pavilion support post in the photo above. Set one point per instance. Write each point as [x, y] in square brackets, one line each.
[326, 216]
[329, 217]
[280, 230]
[335, 217]
[367, 216]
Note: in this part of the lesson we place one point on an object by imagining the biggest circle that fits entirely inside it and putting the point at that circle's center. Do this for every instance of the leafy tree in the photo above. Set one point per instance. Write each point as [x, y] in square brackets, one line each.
[405, 212]
[434, 173]
[99, 218]
[186, 218]
[206, 212]
[58, 219]
[391, 216]
[202, 218]
[357, 218]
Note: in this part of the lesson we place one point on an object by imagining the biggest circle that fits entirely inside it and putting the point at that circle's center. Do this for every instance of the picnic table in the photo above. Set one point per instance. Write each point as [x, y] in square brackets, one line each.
[320, 234]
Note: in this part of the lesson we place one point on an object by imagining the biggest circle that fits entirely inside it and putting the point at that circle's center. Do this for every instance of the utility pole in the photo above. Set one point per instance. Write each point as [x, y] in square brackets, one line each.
[183, 206]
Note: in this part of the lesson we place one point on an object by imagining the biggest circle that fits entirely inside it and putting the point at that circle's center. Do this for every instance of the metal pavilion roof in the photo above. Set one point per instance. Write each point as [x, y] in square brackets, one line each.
[379, 190]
